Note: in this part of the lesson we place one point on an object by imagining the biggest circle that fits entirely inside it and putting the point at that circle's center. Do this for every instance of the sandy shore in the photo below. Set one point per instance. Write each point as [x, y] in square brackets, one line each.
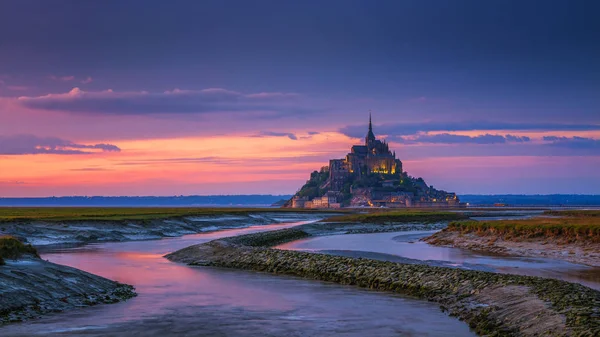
[586, 253]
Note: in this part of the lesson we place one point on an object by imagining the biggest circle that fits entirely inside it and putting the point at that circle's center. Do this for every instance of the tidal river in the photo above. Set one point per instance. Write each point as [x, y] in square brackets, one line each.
[176, 299]
[401, 246]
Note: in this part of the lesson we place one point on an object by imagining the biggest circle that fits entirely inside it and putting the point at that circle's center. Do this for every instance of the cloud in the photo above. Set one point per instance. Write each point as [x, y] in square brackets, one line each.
[4, 84]
[173, 101]
[517, 139]
[277, 134]
[17, 87]
[411, 128]
[90, 169]
[12, 182]
[30, 144]
[87, 80]
[62, 78]
[574, 142]
[256, 162]
[446, 138]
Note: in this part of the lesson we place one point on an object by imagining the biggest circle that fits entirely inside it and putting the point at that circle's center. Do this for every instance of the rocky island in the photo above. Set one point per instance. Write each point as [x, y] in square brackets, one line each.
[369, 175]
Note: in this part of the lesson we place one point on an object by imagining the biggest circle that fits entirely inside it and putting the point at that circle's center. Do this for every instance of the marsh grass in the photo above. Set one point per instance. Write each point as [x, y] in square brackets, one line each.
[12, 248]
[54, 214]
[568, 229]
[399, 216]
[575, 213]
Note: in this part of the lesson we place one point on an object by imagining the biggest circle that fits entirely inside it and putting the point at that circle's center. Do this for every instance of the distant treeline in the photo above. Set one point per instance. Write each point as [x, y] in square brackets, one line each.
[532, 200]
[183, 201]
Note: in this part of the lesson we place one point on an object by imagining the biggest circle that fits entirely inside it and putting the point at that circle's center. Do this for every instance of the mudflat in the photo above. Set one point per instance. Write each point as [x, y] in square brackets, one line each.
[573, 236]
[31, 287]
[502, 304]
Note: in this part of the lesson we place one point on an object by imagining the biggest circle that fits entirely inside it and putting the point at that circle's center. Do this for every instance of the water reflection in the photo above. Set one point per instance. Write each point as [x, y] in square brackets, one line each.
[407, 245]
[176, 299]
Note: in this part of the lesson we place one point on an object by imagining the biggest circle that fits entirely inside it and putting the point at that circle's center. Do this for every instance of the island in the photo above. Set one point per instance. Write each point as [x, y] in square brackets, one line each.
[369, 175]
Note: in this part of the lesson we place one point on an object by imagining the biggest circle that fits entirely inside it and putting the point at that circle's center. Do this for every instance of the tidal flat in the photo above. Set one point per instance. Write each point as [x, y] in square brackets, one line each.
[491, 303]
[572, 236]
[175, 299]
[130, 250]
[74, 226]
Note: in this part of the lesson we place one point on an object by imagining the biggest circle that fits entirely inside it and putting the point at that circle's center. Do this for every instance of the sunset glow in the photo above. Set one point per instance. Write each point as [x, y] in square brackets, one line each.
[271, 103]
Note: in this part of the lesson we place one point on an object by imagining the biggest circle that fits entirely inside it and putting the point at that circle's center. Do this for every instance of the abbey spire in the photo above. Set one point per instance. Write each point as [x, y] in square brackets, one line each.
[370, 136]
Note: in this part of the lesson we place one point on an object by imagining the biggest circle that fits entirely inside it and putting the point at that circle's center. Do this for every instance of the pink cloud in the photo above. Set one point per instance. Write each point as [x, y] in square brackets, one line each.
[87, 80]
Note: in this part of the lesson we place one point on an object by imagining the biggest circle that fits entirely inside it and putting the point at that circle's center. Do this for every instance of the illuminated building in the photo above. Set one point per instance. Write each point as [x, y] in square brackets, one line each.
[372, 157]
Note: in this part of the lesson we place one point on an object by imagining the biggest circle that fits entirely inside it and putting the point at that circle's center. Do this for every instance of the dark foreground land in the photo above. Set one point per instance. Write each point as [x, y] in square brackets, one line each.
[31, 287]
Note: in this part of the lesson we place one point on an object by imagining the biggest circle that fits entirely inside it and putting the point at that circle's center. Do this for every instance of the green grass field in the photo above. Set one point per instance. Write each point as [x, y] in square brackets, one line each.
[119, 214]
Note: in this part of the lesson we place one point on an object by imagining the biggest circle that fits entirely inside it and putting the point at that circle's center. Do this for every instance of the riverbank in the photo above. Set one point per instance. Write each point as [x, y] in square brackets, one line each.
[77, 227]
[507, 305]
[572, 236]
[381, 221]
[31, 287]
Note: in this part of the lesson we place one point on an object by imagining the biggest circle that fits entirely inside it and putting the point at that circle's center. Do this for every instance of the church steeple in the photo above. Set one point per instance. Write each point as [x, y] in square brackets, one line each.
[370, 136]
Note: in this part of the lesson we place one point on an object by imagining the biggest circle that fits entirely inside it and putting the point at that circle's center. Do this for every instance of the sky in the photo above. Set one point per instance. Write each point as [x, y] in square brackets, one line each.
[248, 97]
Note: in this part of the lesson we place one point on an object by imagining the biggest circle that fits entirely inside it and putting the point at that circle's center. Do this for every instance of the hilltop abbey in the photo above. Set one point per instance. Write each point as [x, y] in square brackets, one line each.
[369, 175]
[373, 157]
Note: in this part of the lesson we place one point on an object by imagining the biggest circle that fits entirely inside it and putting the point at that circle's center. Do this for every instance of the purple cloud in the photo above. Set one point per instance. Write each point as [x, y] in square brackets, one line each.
[517, 139]
[168, 102]
[446, 138]
[277, 134]
[411, 128]
[30, 144]
[574, 142]
[61, 78]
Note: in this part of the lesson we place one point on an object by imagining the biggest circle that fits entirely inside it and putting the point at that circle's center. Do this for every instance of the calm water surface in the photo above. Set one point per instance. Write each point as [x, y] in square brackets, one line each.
[176, 299]
[407, 245]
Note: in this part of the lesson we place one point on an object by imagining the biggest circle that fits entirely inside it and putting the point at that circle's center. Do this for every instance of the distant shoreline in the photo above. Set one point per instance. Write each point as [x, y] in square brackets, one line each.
[268, 200]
